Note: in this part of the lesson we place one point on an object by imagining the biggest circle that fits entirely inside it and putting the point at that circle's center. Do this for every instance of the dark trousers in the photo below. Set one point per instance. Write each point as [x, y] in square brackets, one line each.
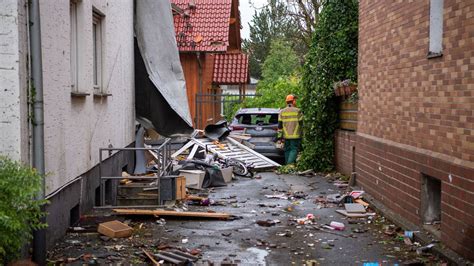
[292, 147]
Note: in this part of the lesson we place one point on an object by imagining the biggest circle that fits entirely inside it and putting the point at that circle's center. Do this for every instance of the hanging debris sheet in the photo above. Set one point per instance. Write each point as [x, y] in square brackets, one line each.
[160, 94]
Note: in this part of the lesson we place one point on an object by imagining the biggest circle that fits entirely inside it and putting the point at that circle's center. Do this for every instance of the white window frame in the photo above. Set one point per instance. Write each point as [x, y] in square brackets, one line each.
[436, 28]
[74, 46]
[97, 50]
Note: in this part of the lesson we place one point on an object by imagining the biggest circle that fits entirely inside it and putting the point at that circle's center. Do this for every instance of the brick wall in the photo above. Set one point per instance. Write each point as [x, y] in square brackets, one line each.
[416, 114]
[345, 151]
[407, 98]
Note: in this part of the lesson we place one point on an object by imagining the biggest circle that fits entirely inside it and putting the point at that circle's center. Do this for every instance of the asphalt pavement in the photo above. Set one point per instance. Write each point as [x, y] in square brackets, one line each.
[264, 232]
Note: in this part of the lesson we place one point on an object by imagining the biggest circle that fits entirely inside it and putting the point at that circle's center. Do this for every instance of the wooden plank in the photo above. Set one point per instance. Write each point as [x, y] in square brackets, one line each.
[151, 257]
[216, 215]
[181, 187]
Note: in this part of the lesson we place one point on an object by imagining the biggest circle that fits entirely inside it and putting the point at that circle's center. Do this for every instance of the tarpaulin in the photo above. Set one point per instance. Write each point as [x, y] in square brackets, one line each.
[160, 88]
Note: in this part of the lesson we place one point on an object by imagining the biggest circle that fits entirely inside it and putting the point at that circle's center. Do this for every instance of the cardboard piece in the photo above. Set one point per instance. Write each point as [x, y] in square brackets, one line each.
[115, 229]
[355, 215]
[354, 208]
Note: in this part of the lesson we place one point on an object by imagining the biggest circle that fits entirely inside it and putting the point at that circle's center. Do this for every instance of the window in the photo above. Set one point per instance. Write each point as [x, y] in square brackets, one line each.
[436, 28]
[97, 34]
[257, 119]
[74, 48]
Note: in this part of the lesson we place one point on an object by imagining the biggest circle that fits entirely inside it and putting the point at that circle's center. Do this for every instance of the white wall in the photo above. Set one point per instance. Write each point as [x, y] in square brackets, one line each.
[76, 127]
[13, 80]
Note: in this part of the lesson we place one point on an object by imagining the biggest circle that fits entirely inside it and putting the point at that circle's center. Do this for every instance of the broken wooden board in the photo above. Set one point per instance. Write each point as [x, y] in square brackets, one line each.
[360, 201]
[151, 257]
[215, 215]
[355, 215]
[193, 197]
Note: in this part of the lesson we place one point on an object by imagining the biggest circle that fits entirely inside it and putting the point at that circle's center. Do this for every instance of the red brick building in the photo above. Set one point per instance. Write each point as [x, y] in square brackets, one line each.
[208, 38]
[413, 149]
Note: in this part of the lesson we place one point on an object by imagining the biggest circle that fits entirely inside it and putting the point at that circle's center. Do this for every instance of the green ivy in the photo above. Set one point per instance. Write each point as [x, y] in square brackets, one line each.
[20, 214]
[332, 57]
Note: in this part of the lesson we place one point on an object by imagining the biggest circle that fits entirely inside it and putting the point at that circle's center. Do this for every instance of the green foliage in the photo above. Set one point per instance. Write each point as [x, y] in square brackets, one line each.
[19, 212]
[273, 93]
[287, 169]
[270, 23]
[332, 57]
[281, 61]
[280, 78]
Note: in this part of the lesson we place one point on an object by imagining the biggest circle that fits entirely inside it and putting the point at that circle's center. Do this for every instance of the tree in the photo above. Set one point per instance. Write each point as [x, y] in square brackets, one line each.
[281, 76]
[305, 15]
[281, 61]
[332, 57]
[291, 20]
[269, 24]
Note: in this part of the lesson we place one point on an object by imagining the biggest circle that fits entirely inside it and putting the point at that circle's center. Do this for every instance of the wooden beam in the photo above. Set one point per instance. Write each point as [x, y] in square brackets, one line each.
[150, 256]
[216, 215]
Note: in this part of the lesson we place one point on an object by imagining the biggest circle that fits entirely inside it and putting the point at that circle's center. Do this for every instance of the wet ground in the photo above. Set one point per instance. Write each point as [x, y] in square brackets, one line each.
[243, 240]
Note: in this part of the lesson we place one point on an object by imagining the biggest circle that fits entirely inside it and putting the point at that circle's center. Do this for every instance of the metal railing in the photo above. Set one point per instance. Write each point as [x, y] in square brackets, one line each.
[162, 156]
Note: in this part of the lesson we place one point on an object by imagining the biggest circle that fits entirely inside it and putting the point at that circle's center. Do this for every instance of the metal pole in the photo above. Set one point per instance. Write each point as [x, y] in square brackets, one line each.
[39, 236]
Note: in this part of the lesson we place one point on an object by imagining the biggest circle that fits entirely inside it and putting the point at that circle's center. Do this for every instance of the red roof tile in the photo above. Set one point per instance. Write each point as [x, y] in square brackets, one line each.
[204, 27]
[231, 68]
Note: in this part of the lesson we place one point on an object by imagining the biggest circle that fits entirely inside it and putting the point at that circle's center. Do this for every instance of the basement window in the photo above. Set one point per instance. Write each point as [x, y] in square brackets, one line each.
[431, 202]
[74, 215]
[436, 28]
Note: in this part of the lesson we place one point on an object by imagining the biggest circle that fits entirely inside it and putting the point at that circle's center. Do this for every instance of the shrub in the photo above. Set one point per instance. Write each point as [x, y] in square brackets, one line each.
[332, 57]
[19, 213]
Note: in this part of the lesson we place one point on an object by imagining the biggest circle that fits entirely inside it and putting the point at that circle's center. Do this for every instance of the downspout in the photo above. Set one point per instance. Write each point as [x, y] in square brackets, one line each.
[39, 236]
[199, 108]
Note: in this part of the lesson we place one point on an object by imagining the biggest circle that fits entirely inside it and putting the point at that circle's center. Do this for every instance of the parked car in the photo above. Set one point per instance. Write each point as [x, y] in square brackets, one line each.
[262, 125]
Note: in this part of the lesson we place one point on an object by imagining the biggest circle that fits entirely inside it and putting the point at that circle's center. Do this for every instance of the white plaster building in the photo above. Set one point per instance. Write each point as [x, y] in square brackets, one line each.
[88, 82]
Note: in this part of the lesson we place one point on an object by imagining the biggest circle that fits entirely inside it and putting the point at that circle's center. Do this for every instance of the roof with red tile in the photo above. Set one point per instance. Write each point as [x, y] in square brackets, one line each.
[231, 68]
[203, 25]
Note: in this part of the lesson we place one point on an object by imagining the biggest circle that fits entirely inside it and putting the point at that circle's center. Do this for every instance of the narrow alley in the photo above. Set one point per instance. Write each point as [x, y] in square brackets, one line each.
[279, 240]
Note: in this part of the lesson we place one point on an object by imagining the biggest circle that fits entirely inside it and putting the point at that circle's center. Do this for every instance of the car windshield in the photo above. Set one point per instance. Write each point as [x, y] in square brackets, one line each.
[257, 119]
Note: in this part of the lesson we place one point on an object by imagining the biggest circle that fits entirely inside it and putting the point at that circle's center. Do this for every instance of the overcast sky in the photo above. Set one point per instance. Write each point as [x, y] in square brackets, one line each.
[246, 12]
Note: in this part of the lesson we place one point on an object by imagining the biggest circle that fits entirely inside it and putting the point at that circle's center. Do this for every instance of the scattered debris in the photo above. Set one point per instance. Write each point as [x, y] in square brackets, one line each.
[337, 226]
[425, 249]
[277, 196]
[267, 223]
[176, 257]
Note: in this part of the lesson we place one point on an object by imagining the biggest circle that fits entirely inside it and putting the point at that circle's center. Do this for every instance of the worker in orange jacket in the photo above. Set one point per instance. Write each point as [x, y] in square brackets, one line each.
[290, 124]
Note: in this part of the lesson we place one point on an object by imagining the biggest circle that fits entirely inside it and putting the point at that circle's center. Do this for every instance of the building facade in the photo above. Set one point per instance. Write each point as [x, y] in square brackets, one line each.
[209, 43]
[414, 145]
[88, 80]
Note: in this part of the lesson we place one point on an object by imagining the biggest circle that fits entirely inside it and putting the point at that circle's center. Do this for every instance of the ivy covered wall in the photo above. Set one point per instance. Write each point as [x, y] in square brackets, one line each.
[332, 57]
